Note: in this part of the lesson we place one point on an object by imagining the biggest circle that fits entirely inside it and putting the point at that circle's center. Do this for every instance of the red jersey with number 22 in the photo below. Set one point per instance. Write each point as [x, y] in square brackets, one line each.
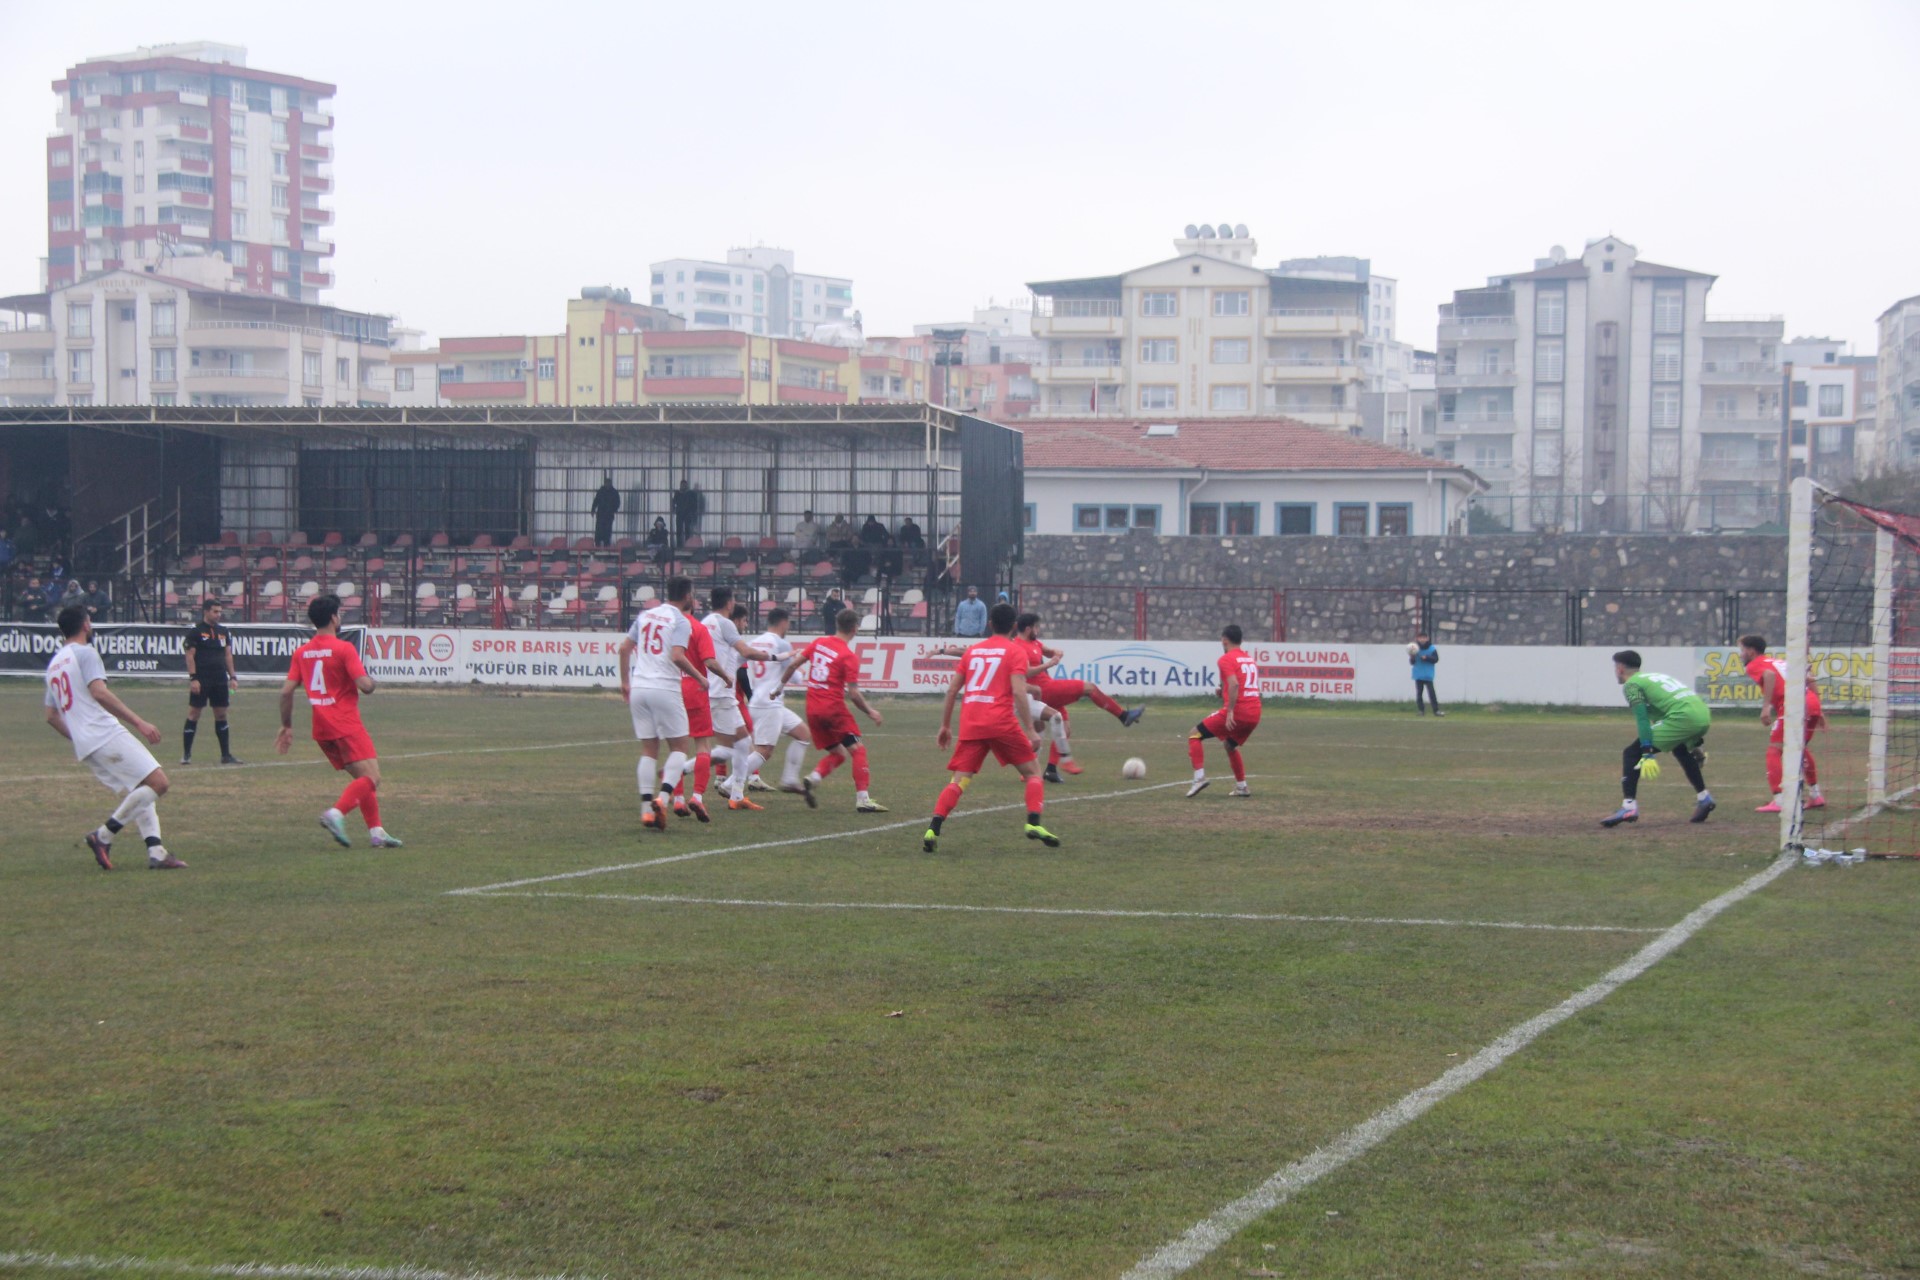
[1238, 663]
[986, 689]
[329, 669]
[830, 666]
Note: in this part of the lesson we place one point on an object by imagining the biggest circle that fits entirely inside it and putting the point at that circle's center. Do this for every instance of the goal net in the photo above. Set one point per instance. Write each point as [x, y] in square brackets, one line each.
[1850, 772]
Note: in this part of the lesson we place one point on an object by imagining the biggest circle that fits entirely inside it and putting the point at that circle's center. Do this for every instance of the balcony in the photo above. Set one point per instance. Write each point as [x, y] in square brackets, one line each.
[1297, 321]
[1465, 423]
[1746, 426]
[1460, 379]
[315, 214]
[1080, 322]
[788, 394]
[191, 164]
[1320, 416]
[1107, 409]
[221, 380]
[473, 392]
[315, 182]
[717, 387]
[1479, 328]
[1295, 371]
[1763, 327]
[188, 98]
[315, 151]
[1086, 370]
[317, 279]
[1722, 372]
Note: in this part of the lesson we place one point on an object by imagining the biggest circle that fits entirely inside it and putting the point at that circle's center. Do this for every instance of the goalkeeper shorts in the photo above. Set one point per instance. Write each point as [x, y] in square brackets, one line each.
[1680, 731]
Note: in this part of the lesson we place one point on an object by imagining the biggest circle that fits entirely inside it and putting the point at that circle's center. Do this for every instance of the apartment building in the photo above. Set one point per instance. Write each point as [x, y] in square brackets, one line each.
[183, 150]
[1896, 441]
[618, 352]
[1593, 392]
[1830, 408]
[755, 290]
[191, 335]
[1206, 333]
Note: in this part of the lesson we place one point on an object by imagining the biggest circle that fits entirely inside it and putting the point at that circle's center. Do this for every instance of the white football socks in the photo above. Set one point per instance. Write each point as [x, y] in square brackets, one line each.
[648, 768]
[670, 772]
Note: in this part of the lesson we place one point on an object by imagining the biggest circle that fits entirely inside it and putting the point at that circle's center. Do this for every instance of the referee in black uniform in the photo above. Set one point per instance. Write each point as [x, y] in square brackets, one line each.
[210, 680]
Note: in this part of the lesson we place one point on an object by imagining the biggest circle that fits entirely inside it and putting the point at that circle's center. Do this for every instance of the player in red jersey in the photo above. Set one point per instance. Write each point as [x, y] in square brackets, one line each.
[1061, 694]
[329, 669]
[699, 719]
[995, 716]
[833, 680]
[1770, 673]
[1238, 717]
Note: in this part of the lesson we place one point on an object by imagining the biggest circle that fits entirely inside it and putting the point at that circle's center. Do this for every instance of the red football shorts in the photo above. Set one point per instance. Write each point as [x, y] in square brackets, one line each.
[831, 728]
[1778, 737]
[357, 745]
[1062, 693]
[1009, 749]
[699, 714]
[1216, 724]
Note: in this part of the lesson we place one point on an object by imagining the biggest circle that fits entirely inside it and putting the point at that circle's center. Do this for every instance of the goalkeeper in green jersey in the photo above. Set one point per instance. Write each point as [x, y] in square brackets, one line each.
[1671, 717]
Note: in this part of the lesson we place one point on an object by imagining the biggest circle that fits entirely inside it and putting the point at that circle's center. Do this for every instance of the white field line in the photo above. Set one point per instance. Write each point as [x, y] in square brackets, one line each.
[93, 1265]
[1102, 913]
[1220, 1226]
[486, 889]
[219, 769]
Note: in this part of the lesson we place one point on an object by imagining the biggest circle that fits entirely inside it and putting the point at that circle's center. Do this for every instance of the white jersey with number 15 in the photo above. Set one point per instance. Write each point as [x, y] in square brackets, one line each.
[655, 634]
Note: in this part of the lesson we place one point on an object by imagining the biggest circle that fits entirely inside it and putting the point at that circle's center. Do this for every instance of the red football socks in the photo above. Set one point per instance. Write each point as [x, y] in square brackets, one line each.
[1106, 704]
[861, 777]
[361, 795]
[702, 772]
[1195, 754]
[949, 801]
[828, 763]
[1239, 766]
[1036, 797]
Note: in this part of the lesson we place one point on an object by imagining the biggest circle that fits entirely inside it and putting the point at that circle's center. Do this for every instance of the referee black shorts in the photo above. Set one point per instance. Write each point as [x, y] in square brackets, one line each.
[213, 693]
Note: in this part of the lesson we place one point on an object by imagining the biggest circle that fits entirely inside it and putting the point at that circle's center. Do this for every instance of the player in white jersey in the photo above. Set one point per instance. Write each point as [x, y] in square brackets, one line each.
[653, 658]
[81, 709]
[771, 718]
[729, 726]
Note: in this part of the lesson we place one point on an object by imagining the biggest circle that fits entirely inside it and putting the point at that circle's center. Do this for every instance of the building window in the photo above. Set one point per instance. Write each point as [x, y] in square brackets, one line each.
[1549, 359]
[543, 368]
[279, 164]
[1228, 519]
[63, 222]
[1232, 351]
[1666, 408]
[760, 369]
[1549, 408]
[1233, 302]
[1797, 433]
[279, 230]
[279, 196]
[1230, 399]
[623, 366]
[1293, 519]
[1116, 518]
[80, 366]
[403, 379]
[343, 371]
[1550, 311]
[1159, 350]
[1394, 519]
[1029, 517]
[80, 323]
[239, 220]
[1666, 359]
[310, 368]
[162, 315]
[1490, 360]
[237, 190]
[1159, 302]
[163, 364]
[165, 399]
[1799, 388]
[1832, 401]
[1159, 397]
[237, 159]
[1669, 310]
[1350, 519]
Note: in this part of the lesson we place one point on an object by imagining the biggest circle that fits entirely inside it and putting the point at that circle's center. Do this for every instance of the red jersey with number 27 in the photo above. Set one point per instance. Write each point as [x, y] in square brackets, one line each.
[831, 667]
[986, 689]
[1241, 665]
[329, 669]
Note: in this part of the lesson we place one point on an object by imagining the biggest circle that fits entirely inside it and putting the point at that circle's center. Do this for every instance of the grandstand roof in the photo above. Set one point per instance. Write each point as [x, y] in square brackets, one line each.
[1216, 444]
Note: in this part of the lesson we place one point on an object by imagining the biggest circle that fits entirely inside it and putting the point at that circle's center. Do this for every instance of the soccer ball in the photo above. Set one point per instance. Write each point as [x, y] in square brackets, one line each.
[1135, 767]
[1413, 647]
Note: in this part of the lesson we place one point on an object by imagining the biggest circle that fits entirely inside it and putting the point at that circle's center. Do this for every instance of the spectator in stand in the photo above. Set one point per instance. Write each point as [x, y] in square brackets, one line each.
[873, 533]
[55, 589]
[806, 534]
[73, 593]
[606, 505]
[970, 615]
[830, 609]
[26, 538]
[658, 539]
[6, 551]
[99, 600]
[686, 513]
[911, 539]
[839, 534]
[31, 600]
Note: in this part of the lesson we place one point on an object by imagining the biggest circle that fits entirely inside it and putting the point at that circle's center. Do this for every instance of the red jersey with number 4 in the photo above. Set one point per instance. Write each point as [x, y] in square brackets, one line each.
[699, 649]
[1035, 654]
[831, 668]
[1241, 665]
[986, 689]
[1758, 669]
[329, 669]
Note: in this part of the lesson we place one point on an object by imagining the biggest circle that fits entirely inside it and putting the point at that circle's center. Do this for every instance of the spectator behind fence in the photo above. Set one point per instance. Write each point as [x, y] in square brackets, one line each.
[839, 534]
[910, 536]
[970, 615]
[873, 533]
[73, 593]
[830, 608]
[686, 513]
[606, 505]
[30, 602]
[99, 600]
[658, 538]
[806, 534]
[6, 551]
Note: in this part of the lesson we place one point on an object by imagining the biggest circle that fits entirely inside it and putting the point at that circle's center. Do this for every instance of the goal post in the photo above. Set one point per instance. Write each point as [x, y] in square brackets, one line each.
[1853, 582]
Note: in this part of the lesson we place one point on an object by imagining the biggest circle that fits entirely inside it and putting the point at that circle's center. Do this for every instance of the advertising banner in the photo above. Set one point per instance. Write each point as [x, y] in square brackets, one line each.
[1843, 676]
[144, 649]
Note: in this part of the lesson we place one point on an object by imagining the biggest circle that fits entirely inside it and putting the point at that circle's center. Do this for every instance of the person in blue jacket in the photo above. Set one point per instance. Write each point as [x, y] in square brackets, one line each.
[1422, 656]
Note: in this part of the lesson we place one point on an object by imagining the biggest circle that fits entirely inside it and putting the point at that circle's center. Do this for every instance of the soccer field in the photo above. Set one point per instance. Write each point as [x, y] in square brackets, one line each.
[539, 1040]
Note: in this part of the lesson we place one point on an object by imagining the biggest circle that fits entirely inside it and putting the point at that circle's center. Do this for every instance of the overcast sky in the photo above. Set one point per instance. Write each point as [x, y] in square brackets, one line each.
[493, 158]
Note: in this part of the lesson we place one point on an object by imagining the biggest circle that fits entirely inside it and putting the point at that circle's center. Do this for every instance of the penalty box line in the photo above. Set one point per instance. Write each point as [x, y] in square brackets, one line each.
[1201, 1239]
[93, 1264]
[1103, 913]
[495, 890]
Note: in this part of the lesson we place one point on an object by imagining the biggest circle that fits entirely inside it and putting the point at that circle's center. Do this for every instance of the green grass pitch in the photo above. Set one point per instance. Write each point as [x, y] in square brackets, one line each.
[300, 1055]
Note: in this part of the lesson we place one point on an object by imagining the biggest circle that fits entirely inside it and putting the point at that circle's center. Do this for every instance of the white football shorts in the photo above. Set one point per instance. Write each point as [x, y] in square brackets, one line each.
[657, 713]
[122, 764]
[727, 722]
[771, 723]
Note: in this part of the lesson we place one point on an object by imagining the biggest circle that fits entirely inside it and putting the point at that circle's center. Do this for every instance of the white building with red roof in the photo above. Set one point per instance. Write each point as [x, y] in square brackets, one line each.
[1233, 477]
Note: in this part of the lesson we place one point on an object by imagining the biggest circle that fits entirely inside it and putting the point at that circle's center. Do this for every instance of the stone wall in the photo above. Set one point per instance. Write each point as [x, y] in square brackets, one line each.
[1517, 589]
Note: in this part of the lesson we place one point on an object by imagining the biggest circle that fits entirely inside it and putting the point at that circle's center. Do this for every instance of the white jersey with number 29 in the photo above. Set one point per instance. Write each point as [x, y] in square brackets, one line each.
[70, 678]
[655, 635]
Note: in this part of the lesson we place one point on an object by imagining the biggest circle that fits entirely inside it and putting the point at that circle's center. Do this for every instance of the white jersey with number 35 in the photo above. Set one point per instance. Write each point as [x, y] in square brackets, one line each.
[655, 635]
[767, 688]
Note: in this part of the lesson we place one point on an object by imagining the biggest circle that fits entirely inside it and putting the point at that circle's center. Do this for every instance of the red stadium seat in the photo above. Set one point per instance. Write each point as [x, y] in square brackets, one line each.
[439, 540]
[694, 542]
[401, 541]
[230, 539]
[261, 538]
[824, 569]
[583, 544]
[296, 539]
[369, 539]
[483, 540]
[733, 544]
[785, 569]
[333, 539]
[746, 569]
[521, 542]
